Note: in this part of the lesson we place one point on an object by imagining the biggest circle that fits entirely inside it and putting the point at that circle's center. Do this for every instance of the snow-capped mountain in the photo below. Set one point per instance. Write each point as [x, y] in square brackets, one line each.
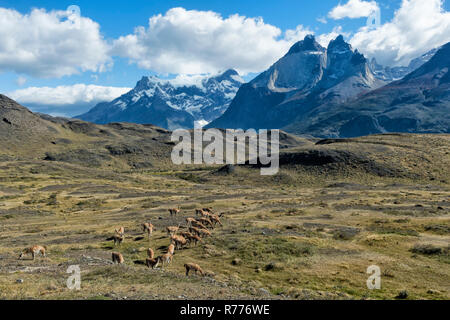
[182, 102]
[390, 74]
[306, 77]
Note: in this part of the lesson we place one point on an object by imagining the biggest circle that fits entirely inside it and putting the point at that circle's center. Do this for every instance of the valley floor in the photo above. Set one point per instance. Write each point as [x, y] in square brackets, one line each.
[279, 240]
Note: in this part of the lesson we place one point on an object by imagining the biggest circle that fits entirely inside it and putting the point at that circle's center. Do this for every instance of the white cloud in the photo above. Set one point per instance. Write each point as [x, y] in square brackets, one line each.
[48, 44]
[417, 27]
[67, 95]
[353, 9]
[192, 42]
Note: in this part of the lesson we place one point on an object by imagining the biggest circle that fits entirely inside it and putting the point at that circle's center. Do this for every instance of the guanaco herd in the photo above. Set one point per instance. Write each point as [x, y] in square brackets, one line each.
[198, 228]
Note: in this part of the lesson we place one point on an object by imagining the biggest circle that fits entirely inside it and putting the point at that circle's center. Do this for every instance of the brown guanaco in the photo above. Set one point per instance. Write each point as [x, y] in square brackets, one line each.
[117, 257]
[174, 211]
[148, 227]
[34, 250]
[194, 267]
[165, 259]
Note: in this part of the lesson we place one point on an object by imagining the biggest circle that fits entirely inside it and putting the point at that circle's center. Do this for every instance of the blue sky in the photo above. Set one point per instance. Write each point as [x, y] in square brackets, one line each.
[248, 45]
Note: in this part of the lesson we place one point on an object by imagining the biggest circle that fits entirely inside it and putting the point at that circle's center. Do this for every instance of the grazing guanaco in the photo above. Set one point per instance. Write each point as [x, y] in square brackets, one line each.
[34, 250]
[171, 249]
[165, 258]
[200, 212]
[206, 222]
[204, 232]
[193, 238]
[120, 231]
[199, 231]
[185, 234]
[172, 230]
[117, 257]
[215, 219]
[198, 224]
[174, 211]
[148, 227]
[118, 239]
[195, 267]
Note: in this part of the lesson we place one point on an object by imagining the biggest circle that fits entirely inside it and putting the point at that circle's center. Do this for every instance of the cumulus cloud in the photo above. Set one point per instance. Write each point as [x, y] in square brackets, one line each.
[50, 44]
[192, 42]
[353, 9]
[66, 95]
[417, 27]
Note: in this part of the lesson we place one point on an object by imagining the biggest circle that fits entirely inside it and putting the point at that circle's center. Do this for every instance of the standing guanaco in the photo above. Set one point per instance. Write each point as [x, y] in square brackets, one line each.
[117, 257]
[178, 240]
[172, 230]
[174, 211]
[148, 227]
[34, 250]
[165, 258]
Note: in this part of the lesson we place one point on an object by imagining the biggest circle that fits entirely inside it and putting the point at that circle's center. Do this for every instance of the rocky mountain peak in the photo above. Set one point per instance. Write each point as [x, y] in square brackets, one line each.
[308, 44]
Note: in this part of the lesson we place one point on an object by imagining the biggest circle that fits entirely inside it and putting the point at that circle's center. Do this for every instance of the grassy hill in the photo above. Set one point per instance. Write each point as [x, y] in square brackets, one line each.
[310, 232]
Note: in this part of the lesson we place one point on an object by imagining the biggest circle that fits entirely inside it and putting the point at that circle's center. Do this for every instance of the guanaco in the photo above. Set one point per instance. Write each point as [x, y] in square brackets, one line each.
[150, 253]
[215, 219]
[198, 224]
[179, 241]
[204, 233]
[195, 267]
[174, 211]
[34, 250]
[148, 227]
[185, 234]
[120, 231]
[206, 222]
[200, 212]
[117, 257]
[194, 238]
[172, 230]
[165, 258]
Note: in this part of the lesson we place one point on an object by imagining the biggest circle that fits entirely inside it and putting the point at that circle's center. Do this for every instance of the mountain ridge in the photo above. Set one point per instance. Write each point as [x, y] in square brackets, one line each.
[170, 104]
